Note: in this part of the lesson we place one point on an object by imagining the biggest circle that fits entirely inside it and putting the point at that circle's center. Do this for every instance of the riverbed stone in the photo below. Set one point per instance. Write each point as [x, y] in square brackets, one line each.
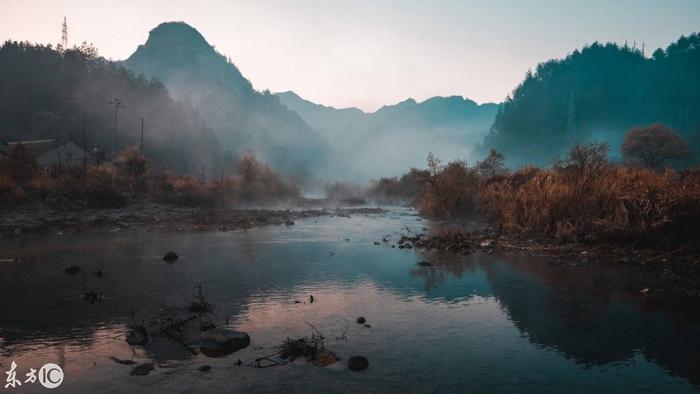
[358, 363]
[73, 269]
[143, 369]
[170, 257]
[361, 320]
[219, 342]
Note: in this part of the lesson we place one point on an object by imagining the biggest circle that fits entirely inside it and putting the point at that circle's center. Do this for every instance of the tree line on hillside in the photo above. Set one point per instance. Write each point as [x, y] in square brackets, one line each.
[70, 95]
[596, 94]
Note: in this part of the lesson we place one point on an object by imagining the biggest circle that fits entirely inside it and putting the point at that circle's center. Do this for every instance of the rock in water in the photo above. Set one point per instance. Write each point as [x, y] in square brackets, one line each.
[425, 263]
[324, 358]
[137, 337]
[358, 363]
[219, 342]
[204, 368]
[73, 269]
[170, 257]
[143, 369]
[361, 320]
[123, 361]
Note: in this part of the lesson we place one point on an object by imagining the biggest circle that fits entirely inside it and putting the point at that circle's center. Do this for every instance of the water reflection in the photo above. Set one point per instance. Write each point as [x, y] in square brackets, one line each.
[475, 323]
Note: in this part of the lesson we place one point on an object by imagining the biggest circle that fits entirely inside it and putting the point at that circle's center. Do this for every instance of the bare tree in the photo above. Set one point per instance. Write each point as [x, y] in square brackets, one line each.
[492, 166]
[652, 145]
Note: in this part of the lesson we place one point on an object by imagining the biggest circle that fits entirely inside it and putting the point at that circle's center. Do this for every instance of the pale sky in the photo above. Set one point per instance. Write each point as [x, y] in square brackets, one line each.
[367, 53]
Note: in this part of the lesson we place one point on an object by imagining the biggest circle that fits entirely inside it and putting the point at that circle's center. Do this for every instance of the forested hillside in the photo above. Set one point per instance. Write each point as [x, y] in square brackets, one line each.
[47, 93]
[599, 93]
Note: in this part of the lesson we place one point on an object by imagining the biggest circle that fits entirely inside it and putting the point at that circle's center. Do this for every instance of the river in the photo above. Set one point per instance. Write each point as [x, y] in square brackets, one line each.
[475, 323]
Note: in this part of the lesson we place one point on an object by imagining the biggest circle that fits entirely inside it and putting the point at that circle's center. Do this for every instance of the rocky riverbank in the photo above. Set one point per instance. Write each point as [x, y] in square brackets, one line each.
[43, 220]
[679, 267]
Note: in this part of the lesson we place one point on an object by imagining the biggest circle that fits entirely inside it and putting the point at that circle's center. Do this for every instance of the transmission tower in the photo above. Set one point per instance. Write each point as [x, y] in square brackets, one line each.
[64, 34]
[571, 128]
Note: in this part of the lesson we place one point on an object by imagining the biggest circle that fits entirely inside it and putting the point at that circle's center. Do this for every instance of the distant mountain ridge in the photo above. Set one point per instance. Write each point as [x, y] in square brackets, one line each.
[242, 118]
[396, 137]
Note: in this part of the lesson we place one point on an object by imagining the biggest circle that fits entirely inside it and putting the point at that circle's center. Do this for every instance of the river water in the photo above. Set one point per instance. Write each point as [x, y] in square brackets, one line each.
[476, 323]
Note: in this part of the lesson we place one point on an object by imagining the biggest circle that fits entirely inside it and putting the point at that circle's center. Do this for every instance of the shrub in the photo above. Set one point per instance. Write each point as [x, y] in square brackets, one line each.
[10, 192]
[132, 168]
[406, 188]
[259, 183]
[652, 145]
[450, 189]
[19, 164]
[345, 192]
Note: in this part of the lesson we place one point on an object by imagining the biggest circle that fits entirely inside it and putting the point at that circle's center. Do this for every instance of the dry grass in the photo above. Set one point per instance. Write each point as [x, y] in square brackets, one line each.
[582, 196]
[616, 202]
[129, 175]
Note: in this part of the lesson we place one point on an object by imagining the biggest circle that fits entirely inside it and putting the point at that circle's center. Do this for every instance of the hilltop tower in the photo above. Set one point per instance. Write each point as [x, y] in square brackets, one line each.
[64, 34]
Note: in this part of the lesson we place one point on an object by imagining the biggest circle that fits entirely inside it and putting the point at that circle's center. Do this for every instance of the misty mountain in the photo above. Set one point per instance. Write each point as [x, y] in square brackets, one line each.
[598, 94]
[396, 137]
[242, 118]
[47, 93]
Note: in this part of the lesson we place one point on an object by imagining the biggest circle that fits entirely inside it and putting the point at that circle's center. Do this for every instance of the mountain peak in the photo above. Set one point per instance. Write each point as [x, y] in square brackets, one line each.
[176, 34]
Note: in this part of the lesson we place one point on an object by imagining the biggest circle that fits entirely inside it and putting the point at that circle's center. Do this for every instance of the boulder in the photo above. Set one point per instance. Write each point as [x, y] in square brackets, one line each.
[219, 342]
[143, 369]
[73, 269]
[425, 263]
[361, 320]
[170, 257]
[358, 363]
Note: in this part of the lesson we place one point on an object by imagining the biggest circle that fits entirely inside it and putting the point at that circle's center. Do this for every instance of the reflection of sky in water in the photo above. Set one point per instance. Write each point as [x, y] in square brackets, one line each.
[471, 323]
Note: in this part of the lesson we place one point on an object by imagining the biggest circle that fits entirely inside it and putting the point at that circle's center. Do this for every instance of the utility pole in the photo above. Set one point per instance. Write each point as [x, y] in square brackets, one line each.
[142, 136]
[117, 103]
[85, 151]
[58, 150]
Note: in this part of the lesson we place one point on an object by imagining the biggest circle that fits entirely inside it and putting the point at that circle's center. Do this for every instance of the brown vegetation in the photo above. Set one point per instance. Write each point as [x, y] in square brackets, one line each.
[399, 189]
[583, 197]
[652, 145]
[129, 176]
